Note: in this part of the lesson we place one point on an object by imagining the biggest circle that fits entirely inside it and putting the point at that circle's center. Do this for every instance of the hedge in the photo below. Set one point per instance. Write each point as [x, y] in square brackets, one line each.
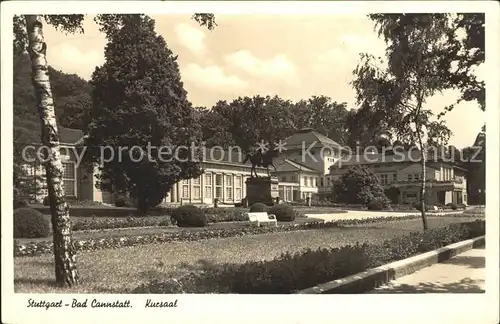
[37, 248]
[290, 273]
[100, 223]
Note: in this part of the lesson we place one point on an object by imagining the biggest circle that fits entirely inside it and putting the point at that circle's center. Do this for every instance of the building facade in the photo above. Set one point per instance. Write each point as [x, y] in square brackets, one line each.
[306, 168]
[303, 166]
[401, 174]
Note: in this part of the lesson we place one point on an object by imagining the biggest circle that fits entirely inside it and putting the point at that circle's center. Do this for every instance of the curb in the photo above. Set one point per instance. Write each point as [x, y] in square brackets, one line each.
[373, 278]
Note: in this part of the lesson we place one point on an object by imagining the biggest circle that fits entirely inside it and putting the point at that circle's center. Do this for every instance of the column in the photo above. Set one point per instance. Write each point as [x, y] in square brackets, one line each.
[202, 188]
[190, 190]
[234, 187]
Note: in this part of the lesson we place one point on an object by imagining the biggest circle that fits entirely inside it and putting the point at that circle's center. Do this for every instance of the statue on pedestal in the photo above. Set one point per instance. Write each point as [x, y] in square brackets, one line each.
[263, 159]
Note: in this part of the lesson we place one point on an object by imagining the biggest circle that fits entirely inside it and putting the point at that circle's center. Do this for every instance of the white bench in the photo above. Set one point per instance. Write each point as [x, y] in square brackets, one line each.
[262, 219]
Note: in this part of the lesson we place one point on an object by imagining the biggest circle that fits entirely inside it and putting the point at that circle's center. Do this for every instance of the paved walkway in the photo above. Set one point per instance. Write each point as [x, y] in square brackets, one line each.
[360, 214]
[463, 273]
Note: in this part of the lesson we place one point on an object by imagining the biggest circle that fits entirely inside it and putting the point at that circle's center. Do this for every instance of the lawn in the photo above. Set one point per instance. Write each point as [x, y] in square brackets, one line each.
[123, 269]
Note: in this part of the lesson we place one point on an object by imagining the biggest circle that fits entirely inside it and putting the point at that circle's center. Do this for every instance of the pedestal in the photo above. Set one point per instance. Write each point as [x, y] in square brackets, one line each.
[262, 190]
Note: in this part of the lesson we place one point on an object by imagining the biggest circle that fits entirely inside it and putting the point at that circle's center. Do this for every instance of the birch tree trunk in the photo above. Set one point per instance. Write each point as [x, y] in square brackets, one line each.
[64, 251]
[422, 187]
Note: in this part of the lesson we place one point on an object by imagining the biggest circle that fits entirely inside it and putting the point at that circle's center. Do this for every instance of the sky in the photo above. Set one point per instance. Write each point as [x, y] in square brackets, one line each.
[292, 56]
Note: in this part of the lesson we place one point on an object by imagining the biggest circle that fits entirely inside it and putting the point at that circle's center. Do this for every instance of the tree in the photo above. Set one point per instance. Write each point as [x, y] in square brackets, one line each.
[399, 90]
[359, 185]
[457, 55]
[71, 95]
[322, 114]
[28, 35]
[250, 120]
[148, 108]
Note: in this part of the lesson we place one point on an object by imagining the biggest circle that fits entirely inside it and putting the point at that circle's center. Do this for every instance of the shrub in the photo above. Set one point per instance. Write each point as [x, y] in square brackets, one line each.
[417, 206]
[121, 201]
[30, 223]
[375, 205]
[221, 214]
[292, 272]
[46, 201]
[461, 206]
[359, 185]
[258, 208]
[189, 216]
[19, 203]
[283, 213]
[452, 206]
[85, 203]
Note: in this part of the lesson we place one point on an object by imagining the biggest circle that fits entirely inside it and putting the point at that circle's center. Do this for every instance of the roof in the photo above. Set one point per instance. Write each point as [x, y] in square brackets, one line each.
[398, 157]
[287, 163]
[69, 135]
[66, 135]
[225, 157]
[308, 136]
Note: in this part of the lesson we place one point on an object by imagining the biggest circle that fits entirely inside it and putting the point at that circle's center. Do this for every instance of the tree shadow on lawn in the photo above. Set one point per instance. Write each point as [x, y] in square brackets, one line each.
[464, 286]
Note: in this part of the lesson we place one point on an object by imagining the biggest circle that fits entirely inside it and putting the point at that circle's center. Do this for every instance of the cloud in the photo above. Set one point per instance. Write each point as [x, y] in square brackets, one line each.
[71, 59]
[349, 46]
[212, 77]
[280, 66]
[191, 38]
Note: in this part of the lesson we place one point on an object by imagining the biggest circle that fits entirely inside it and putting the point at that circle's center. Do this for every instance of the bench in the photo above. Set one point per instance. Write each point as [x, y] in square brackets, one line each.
[262, 219]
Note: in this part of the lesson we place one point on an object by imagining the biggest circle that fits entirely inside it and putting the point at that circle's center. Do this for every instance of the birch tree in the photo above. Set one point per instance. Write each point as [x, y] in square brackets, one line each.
[28, 36]
[399, 86]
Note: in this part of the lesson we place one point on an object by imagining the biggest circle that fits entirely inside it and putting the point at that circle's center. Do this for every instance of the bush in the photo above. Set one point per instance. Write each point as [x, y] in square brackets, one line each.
[100, 223]
[85, 203]
[221, 214]
[375, 205]
[283, 213]
[30, 223]
[417, 206]
[189, 216]
[359, 185]
[46, 201]
[292, 272]
[452, 206]
[19, 203]
[258, 208]
[122, 201]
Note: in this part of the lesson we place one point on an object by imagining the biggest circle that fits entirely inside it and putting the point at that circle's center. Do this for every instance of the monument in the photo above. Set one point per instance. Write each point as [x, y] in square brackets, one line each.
[262, 189]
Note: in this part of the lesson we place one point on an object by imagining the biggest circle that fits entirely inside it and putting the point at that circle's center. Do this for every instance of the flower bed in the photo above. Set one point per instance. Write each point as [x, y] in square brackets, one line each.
[41, 247]
[292, 272]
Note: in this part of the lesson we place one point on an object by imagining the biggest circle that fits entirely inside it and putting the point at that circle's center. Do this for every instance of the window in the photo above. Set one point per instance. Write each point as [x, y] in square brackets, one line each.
[438, 175]
[410, 177]
[416, 176]
[394, 177]
[197, 188]
[208, 185]
[196, 192]
[294, 178]
[237, 188]
[311, 181]
[69, 178]
[218, 186]
[185, 188]
[229, 187]
[306, 181]
[384, 179]
[322, 181]
[288, 193]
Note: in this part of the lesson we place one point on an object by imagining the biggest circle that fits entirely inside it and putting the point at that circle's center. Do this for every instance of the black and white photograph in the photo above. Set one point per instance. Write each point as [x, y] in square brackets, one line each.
[182, 161]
